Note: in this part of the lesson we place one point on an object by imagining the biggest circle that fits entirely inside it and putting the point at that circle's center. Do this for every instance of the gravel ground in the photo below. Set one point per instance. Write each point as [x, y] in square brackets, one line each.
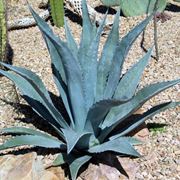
[161, 153]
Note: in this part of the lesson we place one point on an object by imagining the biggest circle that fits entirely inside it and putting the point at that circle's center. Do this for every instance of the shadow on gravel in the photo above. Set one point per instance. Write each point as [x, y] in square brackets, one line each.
[173, 8]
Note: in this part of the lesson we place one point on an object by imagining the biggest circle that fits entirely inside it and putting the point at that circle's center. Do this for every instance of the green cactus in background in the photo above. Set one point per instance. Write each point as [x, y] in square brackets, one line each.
[3, 31]
[57, 12]
[136, 7]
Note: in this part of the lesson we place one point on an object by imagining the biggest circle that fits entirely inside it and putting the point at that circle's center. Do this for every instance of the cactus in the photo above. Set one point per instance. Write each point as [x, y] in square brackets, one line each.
[136, 7]
[57, 12]
[3, 31]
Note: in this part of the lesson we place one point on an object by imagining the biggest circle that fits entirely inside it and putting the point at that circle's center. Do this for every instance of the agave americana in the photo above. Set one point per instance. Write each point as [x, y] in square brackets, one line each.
[96, 95]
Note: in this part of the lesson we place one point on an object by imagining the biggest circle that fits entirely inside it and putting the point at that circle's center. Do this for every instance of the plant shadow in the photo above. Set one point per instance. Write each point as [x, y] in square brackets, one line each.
[172, 7]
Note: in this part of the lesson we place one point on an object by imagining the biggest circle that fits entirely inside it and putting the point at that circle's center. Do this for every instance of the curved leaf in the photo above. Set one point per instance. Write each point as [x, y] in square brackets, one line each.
[147, 115]
[72, 72]
[75, 165]
[129, 82]
[90, 68]
[59, 76]
[32, 140]
[87, 34]
[37, 100]
[98, 111]
[106, 58]
[72, 137]
[31, 77]
[70, 40]
[63, 158]
[119, 114]
[119, 145]
[23, 130]
[119, 57]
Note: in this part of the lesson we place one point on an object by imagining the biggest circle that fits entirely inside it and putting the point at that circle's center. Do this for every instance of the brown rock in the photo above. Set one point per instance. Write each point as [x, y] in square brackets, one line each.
[111, 172]
[27, 167]
[57, 172]
[129, 166]
[21, 167]
[47, 175]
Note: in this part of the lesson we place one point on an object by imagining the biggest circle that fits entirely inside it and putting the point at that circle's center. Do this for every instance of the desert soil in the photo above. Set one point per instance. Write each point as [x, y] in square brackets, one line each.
[161, 151]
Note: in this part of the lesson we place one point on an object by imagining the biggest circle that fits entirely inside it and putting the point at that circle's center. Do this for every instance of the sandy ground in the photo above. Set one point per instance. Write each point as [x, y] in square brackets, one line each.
[161, 153]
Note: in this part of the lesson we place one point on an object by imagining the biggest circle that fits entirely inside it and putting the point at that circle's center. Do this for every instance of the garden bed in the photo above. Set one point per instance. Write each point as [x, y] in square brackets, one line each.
[161, 150]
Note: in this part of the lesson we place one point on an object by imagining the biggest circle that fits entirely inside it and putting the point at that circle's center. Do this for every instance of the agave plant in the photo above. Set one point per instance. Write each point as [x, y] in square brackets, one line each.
[96, 95]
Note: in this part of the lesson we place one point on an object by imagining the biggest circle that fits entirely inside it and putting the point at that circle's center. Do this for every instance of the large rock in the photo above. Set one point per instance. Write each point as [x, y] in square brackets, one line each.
[27, 167]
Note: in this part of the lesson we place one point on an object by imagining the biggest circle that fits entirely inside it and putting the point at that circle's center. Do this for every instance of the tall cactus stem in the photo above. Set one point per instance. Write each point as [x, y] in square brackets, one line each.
[3, 31]
[57, 12]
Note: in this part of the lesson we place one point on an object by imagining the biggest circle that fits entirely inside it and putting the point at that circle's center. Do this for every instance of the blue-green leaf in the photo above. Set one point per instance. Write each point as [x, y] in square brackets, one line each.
[74, 162]
[119, 114]
[119, 57]
[87, 34]
[72, 137]
[106, 58]
[75, 165]
[119, 145]
[33, 140]
[59, 76]
[90, 68]
[31, 77]
[139, 120]
[63, 158]
[131, 140]
[70, 40]
[23, 130]
[37, 100]
[72, 72]
[98, 111]
[129, 82]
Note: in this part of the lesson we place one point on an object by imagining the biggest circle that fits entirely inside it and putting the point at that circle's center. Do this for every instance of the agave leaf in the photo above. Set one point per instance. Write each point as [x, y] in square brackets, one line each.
[37, 100]
[72, 137]
[138, 121]
[63, 158]
[119, 114]
[70, 40]
[23, 130]
[75, 162]
[90, 68]
[59, 160]
[57, 66]
[106, 59]
[120, 145]
[75, 165]
[30, 77]
[33, 140]
[87, 34]
[72, 72]
[119, 57]
[98, 111]
[59, 76]
[131, 140]
[129, 82]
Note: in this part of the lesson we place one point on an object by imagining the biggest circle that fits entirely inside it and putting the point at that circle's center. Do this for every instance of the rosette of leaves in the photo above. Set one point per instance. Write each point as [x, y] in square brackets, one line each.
[96, 95]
